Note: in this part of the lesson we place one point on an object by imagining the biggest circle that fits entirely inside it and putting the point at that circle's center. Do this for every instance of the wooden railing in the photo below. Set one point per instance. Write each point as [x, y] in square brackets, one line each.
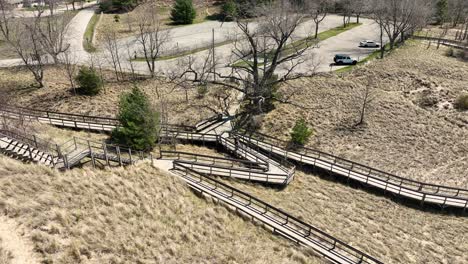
[280, 221]
[284, 164]
[208, 122]
[220, 161]
[425, 192]
[30, 143]
[77, 147]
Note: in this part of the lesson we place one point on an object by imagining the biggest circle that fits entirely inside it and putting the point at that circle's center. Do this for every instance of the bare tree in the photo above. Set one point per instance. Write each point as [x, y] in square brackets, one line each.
[346, 10]
[364, 99]
[112, 47]
[150, 36]
[69, 61]
[52, 32]
[318, 10]
[264, 56]
[6, 16]
[27, 44]
[359, 7]
[398, 18]
[24, 38]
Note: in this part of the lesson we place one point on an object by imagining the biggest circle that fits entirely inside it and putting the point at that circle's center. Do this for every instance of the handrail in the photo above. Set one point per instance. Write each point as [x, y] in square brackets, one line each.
[67, 116]
[456, 42]
[250, 164]
[289, 222]
[27, 148]
[284, 163]
[38, 143]
[235, 172]
[415, 185]
[208, 122]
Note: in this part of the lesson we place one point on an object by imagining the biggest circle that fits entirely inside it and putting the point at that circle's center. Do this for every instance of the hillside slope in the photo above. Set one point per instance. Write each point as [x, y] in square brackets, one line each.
[133, 215]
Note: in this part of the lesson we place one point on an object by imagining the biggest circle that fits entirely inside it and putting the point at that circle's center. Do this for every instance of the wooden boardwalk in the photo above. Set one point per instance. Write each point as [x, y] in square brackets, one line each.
[264, 159]
[279, 221]
[403, 187]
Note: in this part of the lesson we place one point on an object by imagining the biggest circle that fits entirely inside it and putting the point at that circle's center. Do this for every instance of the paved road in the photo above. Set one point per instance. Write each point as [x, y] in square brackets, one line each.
[200, 35]
[25, 13]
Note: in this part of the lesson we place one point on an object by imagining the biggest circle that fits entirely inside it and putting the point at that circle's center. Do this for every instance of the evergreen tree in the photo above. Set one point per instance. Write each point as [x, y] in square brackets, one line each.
[89, 81]
[229, 10]
[183, 12]
[441, 11]
[139, 122]
[300, 132]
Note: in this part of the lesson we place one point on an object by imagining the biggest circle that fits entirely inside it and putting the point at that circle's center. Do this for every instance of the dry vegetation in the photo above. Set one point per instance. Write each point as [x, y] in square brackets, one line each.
[5, 255]
[133, 215]
[6, 51]
[412, 128]
[184, 105]
[392, 232]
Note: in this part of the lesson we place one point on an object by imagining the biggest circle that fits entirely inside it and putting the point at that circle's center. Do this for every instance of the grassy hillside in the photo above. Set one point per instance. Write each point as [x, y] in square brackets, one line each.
[411, 127]
[183, 104]
[386, 229]
[133, 215]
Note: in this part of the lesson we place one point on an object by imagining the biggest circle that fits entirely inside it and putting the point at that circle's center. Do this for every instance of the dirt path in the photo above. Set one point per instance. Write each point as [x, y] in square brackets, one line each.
[19, 246]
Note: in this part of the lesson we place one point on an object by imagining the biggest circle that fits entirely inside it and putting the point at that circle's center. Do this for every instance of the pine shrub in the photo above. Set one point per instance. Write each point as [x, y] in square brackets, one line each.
[183, 12]
[300, 132]
[229, 10]
[139, 122]
[89, 81]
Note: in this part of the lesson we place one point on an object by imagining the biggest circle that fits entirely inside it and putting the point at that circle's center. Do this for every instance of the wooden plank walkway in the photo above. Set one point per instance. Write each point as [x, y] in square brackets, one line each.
[280, 222]
[423, 192]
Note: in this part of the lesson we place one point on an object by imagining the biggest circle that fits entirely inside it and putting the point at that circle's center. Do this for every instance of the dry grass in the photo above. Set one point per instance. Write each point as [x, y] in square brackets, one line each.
[403, 133]
[5, 255]
[184, 106]
[6, 51]
[133, 215]
[387, 230]
[60, 136]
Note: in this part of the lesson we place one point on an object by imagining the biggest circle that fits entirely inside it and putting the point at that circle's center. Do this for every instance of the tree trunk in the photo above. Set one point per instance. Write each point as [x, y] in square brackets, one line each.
[357, 18]
[382, 45]
[316, 29]
[344, 20]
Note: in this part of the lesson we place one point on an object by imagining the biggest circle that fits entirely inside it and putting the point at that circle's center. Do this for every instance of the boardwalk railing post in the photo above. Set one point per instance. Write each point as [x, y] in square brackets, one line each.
[104, 148]
[118, 155]
[92, 154]
[28, 148]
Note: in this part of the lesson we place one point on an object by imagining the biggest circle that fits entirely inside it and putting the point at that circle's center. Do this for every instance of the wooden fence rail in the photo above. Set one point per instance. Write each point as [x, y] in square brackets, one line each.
[280, 221]
[424, 192]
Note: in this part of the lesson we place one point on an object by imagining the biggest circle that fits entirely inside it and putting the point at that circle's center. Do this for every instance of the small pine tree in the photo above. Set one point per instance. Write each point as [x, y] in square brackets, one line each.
[89, 81]
[441, 11]
[300, 132]
[229, 10]
[183, 12]
[139, 122]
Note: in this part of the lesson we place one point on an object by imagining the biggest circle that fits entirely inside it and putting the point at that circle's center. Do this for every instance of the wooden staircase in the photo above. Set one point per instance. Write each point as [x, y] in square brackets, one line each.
[26, 152]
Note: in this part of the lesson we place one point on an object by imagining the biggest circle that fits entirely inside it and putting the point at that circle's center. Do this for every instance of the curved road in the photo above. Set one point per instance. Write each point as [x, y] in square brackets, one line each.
[200, 35]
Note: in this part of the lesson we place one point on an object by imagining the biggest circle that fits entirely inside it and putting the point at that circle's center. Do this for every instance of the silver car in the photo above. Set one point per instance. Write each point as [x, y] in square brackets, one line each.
[369, 44]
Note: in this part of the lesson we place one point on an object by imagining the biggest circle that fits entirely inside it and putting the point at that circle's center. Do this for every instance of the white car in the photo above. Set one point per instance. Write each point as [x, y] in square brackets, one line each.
[369, 44]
